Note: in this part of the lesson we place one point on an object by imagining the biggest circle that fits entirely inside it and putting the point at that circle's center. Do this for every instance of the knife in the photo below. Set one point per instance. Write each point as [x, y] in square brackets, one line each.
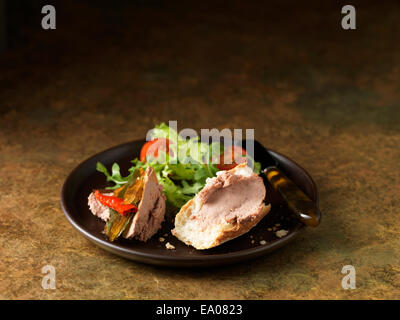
[298, 202]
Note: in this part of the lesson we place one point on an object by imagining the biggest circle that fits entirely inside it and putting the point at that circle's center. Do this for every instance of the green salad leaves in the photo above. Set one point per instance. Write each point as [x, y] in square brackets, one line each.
[182, 171]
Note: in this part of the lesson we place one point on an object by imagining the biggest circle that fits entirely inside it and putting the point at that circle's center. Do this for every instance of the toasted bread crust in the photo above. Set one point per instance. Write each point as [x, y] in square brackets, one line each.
[234, 230]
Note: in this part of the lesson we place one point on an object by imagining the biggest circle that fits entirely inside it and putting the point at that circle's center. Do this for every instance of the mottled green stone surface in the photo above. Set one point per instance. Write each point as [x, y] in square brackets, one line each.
[325, 97]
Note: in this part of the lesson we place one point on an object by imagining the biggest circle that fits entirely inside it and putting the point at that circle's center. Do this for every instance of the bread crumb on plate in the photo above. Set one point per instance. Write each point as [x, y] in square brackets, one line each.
[161, 239]
[169, 246]
[281, 233]
[263, 242]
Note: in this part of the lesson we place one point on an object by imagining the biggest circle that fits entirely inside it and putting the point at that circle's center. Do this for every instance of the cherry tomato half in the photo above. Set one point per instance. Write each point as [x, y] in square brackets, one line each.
[231, 157]
[150, 148]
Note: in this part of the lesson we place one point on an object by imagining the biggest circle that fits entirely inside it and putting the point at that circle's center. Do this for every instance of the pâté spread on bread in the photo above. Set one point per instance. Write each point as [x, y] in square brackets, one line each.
[228, 206]
[216, 201]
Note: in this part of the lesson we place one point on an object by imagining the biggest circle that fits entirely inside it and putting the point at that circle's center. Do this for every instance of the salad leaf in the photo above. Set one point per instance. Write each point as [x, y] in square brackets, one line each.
[257, 167]
[190, 189]
[114, 177]
[164, 131]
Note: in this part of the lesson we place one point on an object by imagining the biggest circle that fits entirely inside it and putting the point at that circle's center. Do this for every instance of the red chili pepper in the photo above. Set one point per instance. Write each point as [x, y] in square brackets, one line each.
[115, 203]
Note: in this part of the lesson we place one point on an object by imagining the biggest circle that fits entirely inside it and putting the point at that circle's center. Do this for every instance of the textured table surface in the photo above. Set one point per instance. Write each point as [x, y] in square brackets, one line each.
[325, 97]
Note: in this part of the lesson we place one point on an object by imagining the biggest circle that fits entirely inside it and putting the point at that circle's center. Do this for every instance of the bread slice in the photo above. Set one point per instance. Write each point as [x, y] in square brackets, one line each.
[227, 207]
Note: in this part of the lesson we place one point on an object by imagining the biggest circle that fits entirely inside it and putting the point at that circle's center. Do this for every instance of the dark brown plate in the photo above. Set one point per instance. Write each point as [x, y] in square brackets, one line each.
[85, 178]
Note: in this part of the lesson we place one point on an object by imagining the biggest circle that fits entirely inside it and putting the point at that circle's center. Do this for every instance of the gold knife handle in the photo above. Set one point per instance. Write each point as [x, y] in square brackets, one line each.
[296, 199]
